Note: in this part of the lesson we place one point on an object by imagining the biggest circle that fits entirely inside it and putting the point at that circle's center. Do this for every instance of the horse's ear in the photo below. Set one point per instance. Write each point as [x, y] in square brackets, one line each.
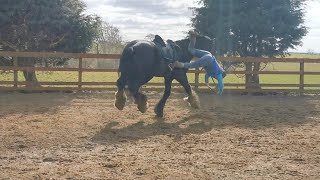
[159, 40]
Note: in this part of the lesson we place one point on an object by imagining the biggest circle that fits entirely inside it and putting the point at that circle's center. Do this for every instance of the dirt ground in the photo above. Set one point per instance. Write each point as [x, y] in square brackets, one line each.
[82, 136]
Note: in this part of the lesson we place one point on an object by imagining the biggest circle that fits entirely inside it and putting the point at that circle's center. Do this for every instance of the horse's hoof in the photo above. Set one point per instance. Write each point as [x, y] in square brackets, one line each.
[194, 105]
[143, 107]
[119, 106]
[159, 114]
[120, 101]
[193, 101]
[158, 111]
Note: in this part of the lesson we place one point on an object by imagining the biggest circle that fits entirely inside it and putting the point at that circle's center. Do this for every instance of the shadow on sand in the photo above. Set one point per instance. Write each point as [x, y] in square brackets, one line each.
[225, 112]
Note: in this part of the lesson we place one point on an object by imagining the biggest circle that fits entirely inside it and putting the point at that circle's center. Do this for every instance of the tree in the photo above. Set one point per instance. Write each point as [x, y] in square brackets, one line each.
[42, 25]
[255, 28]
[149, 37]
[109, 39]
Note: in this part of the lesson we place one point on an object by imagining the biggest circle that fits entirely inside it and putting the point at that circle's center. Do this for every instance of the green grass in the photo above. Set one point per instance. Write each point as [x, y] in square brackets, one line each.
[112, 77]
[302, 55]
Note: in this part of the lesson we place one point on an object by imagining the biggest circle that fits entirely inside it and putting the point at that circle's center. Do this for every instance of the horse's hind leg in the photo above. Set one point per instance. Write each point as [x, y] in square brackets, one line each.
[192, 98]
[140, 99]
[159, 107]
[121, 97]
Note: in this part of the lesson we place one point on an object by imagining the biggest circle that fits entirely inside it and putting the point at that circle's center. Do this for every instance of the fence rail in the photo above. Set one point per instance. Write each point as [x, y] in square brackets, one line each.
[17, 85]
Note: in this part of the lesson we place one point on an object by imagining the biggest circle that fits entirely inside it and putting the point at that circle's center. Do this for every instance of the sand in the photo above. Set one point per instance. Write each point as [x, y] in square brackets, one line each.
[83, 136]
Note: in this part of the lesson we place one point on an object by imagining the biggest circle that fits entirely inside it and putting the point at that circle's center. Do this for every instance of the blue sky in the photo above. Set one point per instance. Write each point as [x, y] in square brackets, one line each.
[170, 19]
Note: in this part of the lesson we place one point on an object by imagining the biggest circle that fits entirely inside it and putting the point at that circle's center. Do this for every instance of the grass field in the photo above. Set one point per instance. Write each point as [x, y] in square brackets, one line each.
[267, 79]
[302, 55]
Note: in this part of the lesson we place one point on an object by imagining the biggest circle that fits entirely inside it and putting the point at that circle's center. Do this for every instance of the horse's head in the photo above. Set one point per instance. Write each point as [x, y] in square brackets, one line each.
[203, 43]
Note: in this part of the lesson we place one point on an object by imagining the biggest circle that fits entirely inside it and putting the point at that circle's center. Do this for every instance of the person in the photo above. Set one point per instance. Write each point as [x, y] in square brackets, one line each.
[205, 60]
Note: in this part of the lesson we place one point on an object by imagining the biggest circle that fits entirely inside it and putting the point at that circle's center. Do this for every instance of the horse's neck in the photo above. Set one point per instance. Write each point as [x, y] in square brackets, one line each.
[183, 44]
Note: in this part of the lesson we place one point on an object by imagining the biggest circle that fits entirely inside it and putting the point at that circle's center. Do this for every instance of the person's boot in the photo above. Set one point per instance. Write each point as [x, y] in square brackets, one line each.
[192, 43]
[192, 34]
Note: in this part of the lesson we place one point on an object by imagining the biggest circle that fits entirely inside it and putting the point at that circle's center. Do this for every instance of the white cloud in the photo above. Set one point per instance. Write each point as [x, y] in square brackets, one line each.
[138, 18]
[312, 21]
[170, 18]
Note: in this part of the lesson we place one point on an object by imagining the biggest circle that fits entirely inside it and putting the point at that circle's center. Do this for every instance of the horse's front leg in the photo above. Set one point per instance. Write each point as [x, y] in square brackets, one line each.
[167, 91]
[193, 99]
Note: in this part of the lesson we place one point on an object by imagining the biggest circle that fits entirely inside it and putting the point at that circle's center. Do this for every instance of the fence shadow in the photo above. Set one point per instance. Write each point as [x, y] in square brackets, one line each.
[32, 103]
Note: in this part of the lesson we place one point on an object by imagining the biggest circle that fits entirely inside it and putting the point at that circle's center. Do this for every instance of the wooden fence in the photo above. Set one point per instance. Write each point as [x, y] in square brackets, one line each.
[16, 85]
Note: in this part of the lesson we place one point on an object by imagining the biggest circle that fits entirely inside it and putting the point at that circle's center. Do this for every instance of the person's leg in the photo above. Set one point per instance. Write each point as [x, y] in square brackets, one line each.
[196, 52]
[202, 62]
[200, 53]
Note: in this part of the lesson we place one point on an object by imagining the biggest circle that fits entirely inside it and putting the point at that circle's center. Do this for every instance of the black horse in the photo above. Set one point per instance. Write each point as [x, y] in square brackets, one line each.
[142, 60]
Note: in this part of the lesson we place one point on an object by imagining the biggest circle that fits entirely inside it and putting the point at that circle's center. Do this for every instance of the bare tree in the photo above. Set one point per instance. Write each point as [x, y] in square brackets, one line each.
[150, 37]
[109, 39]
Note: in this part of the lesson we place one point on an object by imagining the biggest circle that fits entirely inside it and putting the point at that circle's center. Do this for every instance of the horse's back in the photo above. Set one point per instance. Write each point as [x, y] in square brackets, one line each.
[138, 59]
[145, 48]
[141, 49]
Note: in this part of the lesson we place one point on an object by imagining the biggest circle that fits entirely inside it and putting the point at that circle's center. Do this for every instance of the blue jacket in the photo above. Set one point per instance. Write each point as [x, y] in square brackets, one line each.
[213, 69]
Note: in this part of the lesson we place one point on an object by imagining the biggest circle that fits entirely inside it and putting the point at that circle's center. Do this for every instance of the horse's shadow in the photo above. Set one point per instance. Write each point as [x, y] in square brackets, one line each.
[140, 130]
[232, 112]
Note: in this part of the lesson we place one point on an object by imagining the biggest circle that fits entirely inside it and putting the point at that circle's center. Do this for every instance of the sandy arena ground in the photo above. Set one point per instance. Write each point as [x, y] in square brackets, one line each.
[82, 136]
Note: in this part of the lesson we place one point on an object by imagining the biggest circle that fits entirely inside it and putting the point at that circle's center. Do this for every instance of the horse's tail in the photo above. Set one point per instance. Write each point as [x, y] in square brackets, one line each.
[124, 67]
[126, 57]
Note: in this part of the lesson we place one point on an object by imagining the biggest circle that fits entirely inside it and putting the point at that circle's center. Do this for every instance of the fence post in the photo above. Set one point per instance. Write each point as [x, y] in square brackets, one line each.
[301, 87]
[80, 74]
[15, 72]
[196, 79]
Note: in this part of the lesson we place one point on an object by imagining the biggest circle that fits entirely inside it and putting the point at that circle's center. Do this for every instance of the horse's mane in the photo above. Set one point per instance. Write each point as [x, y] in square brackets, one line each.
[183, 44]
